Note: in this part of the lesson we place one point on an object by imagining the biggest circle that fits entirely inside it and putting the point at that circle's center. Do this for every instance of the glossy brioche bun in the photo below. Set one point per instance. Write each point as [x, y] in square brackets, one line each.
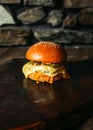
[47, 52]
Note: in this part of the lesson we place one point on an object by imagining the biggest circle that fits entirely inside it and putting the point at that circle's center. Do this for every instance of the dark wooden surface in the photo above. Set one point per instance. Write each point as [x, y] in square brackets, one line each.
[27, 105]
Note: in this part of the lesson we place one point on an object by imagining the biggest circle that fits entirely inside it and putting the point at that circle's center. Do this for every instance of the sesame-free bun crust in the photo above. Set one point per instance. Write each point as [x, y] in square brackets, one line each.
[47, 52]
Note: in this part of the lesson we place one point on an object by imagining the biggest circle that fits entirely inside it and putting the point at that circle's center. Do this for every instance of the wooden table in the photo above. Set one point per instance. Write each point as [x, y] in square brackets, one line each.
[25, 105]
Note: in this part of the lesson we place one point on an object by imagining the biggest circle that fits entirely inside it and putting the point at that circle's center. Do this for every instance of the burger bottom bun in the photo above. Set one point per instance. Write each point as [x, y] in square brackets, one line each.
[38, 77]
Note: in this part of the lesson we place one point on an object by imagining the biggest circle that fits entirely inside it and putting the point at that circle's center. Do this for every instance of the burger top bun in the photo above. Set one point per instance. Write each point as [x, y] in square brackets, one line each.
[47, 52]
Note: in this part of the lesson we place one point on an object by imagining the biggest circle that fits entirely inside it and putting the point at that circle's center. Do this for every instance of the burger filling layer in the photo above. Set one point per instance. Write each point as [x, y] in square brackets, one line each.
[47, 69]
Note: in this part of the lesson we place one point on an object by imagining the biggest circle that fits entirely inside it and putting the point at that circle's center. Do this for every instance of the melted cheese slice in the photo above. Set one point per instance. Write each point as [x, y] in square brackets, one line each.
[29, 68]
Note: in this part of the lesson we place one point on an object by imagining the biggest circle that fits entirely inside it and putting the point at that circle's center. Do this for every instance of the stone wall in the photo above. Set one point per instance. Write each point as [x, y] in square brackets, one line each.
[23, 22]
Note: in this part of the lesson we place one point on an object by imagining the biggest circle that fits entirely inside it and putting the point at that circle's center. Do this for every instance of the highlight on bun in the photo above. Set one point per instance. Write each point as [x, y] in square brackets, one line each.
[47, 52]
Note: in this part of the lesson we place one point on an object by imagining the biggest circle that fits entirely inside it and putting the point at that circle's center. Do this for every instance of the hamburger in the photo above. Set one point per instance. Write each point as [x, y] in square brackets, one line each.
[45, 62]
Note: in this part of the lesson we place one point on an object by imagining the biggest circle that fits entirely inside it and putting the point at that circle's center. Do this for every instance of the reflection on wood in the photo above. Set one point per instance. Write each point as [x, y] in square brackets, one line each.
[25, 105]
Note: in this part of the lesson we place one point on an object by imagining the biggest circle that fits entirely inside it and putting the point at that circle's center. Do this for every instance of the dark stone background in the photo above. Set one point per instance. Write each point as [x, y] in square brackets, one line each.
[67, 22]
